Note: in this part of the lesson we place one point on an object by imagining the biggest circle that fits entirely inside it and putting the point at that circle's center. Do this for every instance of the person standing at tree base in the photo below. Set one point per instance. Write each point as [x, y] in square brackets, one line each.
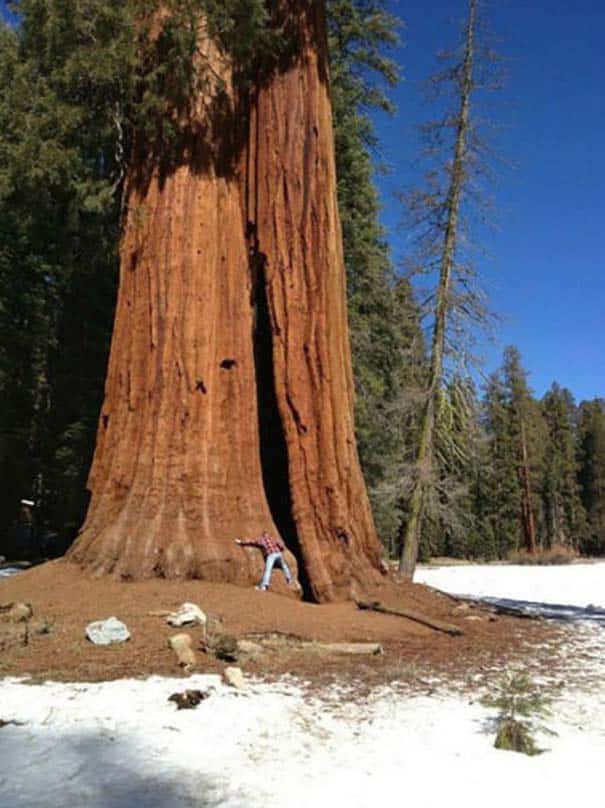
[272, 550]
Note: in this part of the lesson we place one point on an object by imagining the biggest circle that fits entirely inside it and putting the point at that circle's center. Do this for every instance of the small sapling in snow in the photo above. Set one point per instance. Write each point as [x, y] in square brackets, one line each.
[522, 705]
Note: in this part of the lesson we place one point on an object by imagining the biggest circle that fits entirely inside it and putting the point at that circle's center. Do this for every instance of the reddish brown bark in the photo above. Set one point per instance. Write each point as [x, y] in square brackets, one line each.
[228, 403]
[294, 209]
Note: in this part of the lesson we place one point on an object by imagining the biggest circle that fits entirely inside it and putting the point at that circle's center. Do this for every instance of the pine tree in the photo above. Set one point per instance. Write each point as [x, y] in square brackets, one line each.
[525, 424]
[386, 338]
[100, 76]
[564, 512]
[58, 227]
[449, 518]
[591, 440]
[503, 493]
[518, 436]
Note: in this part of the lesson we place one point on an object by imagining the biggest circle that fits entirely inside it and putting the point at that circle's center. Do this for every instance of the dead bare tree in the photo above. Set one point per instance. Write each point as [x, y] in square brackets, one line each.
[440, 216]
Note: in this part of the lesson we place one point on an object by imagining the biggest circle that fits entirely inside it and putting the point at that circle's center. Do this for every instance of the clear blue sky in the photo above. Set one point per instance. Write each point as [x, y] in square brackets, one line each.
[546, 272]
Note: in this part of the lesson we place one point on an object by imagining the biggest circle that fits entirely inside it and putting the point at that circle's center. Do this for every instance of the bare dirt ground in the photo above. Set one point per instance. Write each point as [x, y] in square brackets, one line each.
[69, 599]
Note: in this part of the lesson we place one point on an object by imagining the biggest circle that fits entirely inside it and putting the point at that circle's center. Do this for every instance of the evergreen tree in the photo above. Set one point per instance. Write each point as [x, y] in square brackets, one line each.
[57, 265]
[518, 435]
[75, 81]
[528, 432]
[89, 76]
[82, 76]
[502, 502]
[564, 512]
[591, 440]
[383, 317]
[449, 518]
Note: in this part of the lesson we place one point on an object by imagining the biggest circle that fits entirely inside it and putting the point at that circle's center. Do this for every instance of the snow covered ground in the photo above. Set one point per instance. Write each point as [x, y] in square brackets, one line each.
[122, 744]
[572, 590]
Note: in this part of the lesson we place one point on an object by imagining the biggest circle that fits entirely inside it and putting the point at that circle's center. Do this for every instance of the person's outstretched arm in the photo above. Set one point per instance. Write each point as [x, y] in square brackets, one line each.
[248, 542]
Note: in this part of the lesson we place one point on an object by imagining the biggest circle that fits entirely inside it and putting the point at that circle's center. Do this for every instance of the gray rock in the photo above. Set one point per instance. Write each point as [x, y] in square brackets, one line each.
[107, 632]
[249, 648]
[225, 647]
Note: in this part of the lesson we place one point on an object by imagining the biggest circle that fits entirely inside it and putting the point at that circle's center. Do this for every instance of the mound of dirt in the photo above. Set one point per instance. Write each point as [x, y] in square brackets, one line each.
[67, 599]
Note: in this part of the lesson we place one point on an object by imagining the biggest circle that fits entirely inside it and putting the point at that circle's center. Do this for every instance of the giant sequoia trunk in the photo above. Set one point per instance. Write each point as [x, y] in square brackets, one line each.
[228, 404]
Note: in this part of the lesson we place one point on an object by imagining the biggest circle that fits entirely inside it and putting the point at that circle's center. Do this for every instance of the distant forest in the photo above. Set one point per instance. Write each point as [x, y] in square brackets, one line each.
[512, 473]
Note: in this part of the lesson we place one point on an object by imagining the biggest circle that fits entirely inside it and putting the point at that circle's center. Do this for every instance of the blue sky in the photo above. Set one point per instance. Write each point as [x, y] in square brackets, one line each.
[545, 273]
[4, 12]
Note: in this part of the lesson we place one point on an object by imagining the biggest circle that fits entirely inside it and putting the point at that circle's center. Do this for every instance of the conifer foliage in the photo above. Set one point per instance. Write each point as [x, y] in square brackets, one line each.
[387, 343]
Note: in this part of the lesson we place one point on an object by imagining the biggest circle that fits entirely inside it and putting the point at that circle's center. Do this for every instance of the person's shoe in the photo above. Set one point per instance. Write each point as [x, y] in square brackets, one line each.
[261, 588]
[293, 584]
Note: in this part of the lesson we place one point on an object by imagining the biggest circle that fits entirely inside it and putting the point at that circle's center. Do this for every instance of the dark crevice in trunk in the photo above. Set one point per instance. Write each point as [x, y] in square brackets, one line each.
[273, 447]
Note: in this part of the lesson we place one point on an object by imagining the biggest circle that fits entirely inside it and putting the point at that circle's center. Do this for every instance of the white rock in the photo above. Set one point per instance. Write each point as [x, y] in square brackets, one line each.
[187, 614]
[106, 632]
[181, 645]
[234, 677]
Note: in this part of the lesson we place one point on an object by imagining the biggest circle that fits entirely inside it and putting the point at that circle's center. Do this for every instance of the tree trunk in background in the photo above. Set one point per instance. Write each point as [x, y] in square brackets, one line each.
[228, 404]
[527, 518]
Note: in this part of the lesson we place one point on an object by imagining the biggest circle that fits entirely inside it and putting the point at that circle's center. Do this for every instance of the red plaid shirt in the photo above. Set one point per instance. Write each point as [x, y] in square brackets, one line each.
[266, 544]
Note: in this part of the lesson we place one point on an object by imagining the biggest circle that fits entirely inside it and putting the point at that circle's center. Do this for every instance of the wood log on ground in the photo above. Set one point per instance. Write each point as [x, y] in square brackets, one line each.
[290, 643]
[417, 617]
[352, 648]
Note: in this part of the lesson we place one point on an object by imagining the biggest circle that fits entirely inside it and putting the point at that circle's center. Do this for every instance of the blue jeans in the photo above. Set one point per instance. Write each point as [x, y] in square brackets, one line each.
[271, 560]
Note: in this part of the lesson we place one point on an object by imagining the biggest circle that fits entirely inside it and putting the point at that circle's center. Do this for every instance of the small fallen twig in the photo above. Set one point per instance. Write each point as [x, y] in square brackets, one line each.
[417, 617]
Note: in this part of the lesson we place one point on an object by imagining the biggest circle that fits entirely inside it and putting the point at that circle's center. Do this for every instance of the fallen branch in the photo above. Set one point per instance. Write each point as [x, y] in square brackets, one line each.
[370, 648]
[417, 617]
[290, 643]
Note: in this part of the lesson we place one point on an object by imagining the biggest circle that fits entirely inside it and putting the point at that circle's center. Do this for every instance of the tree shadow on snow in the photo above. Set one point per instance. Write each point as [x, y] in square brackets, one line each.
[97, 769]
[552, 611]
